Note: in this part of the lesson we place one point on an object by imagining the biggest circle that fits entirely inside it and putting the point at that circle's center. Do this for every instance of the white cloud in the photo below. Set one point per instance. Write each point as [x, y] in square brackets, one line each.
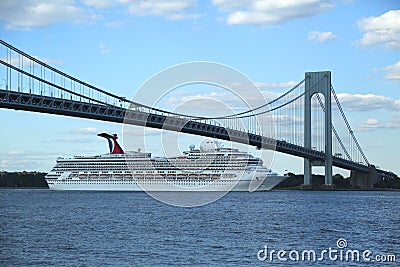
[384, 29]
[169, 9]
[394, 122]
[19, 62]
[16, 152]
[283, 120]
[86, 130]
[359, 102]
[69, 140]
[200, 103]
[392, 72]
[25, 14]
[372, 124]
[104, 49]
[237, 97]
[269, 12]
[130, 130]
[321, 37]
[276, 86]
[51, 61]
[98, 3]
[26, 160]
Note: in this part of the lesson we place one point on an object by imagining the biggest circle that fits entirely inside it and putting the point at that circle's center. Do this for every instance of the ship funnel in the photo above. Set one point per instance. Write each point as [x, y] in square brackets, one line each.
[115, 148]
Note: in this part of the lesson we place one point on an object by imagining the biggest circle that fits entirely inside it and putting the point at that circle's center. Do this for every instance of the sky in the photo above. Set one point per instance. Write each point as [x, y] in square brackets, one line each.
[117, 45]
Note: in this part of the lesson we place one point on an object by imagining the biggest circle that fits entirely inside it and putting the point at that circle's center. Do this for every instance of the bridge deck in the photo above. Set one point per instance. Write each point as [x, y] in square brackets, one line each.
[111, 113]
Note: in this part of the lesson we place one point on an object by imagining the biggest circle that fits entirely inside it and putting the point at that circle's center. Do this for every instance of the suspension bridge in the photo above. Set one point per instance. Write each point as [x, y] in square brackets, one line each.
[307, 121]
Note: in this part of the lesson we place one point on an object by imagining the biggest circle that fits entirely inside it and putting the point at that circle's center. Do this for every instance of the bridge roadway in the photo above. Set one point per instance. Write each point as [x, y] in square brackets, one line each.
[52, 105]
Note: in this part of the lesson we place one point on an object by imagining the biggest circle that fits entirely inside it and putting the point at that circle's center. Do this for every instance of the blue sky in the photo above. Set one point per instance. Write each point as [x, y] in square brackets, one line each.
[117, 45]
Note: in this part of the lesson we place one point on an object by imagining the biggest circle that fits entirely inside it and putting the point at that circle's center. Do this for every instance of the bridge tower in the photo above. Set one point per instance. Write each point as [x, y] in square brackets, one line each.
[318, 82]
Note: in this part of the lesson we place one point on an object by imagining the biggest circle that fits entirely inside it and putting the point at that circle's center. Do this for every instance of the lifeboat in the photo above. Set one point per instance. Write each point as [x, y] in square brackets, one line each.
[171, 176]
[138, 175]
[117, 175]
[216, 176]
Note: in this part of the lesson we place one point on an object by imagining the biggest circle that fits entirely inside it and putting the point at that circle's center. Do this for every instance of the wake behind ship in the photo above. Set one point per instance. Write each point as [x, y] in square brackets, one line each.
[210, 167]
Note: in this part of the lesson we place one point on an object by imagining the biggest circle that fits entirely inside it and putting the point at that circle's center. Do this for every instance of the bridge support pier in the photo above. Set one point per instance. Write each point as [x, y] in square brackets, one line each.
[365, 179]
[318, 82]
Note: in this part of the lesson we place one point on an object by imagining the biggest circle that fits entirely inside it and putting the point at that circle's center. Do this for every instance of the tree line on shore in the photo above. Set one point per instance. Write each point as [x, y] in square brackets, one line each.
[296, 180]
[23, 179]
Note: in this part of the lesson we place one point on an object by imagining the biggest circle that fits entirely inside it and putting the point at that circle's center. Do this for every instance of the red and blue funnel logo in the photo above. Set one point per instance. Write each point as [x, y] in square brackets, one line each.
[115, 148]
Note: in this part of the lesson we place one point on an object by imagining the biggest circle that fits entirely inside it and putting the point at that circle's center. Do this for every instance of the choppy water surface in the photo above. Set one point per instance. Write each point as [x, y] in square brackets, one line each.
[55, 228]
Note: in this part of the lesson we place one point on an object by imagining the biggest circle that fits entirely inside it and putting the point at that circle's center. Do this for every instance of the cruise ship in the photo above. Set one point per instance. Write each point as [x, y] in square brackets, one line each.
[211, 167]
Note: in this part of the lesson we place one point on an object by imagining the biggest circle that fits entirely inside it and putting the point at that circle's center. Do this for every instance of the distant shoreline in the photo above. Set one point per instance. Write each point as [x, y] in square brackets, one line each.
[36, 180]
[275, 189]
[339, 189]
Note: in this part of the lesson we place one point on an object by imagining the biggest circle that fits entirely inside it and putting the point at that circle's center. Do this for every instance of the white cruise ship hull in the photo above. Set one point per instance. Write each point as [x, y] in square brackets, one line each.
[164, 185]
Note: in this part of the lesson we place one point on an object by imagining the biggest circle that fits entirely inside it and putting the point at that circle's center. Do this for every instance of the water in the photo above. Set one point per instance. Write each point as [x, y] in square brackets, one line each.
[55, 228]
